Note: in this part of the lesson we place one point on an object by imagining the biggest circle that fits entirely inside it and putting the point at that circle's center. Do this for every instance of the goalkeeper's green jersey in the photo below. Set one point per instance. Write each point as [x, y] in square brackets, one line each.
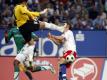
[18, 38]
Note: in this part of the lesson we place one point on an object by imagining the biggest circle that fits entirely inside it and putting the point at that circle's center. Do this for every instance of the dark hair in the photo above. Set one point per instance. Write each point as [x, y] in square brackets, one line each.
[70, 25]
[15, 2]
[24, 0]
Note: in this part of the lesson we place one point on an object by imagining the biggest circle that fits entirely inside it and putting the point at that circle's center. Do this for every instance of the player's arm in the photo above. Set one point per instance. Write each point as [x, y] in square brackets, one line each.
[8, 35]
[36, 14]
[31, 14]
[56, 39]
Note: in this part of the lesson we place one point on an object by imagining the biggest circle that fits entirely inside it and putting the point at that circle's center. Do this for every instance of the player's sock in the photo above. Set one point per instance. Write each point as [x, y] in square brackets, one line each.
[60, 76]
[16, 73]
[29, 75]
[54, 27]
[42, 68]
[63, 71]
[31, 52]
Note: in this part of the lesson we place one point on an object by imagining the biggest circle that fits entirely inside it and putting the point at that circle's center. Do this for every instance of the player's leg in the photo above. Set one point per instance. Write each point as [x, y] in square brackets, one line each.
[32, 66]
[27, 72]
[36, 68]
[32, 26]
[19, 66]
[42, 25]
[29, 75]
[62, 69]
[26, 34]
[51, 26]
[16, 69]
[43, 68]
[29, 27]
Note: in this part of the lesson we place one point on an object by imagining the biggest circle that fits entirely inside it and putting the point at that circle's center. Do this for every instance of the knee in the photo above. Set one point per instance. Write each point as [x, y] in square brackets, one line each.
[30, 69]
[62, 61]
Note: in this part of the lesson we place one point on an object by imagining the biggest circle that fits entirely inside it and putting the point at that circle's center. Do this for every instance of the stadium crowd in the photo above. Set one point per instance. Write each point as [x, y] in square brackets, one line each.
[82, 14]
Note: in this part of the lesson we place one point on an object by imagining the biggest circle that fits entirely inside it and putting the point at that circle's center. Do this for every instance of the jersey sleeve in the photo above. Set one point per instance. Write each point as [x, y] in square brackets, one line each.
[31, 14]
[35, 14]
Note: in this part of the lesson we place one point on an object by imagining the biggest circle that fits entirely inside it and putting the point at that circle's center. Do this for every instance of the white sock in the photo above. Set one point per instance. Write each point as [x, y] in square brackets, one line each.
[54, 27]
[16, 75]
[31, 52]
[45, 68]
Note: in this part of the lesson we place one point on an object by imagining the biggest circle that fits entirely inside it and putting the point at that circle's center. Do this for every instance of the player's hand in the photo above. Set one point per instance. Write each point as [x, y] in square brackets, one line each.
[44, 11]
[49, 35]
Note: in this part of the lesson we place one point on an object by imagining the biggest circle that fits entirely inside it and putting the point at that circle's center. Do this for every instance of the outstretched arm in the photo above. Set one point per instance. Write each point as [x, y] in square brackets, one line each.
[32, 14]
[56, 39]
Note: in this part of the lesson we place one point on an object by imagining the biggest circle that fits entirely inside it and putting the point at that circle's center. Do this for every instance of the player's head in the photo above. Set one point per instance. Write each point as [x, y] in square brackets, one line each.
[68, 26]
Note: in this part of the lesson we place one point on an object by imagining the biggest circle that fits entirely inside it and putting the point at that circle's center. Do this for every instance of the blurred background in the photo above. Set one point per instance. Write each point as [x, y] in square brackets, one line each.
[83, 14]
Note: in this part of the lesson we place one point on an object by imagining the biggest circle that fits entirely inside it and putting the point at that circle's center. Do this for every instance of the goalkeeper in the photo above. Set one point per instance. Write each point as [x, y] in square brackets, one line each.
[19, 41]
[27, 22]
